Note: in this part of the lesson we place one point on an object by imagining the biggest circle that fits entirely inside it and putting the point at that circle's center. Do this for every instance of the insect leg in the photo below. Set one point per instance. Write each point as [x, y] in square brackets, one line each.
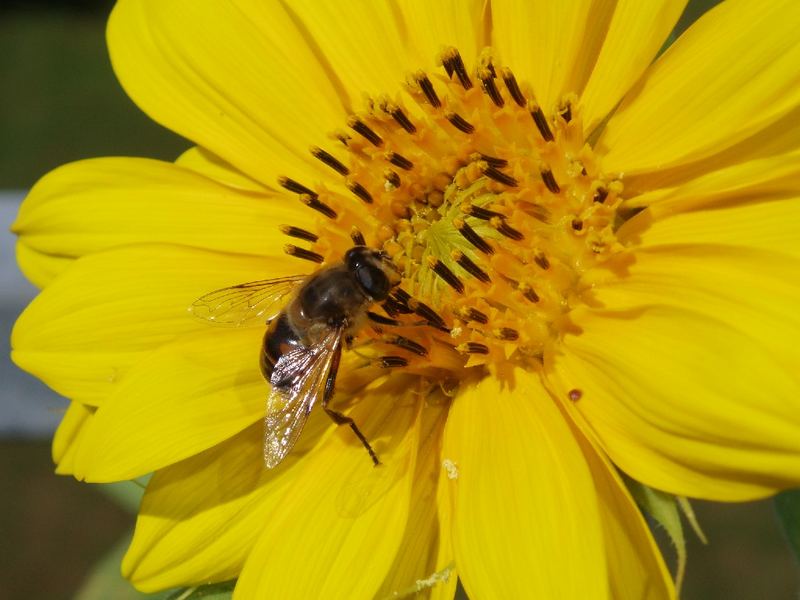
[338, 417]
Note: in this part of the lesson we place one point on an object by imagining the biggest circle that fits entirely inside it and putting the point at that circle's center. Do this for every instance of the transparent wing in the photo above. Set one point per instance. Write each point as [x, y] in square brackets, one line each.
[303, 374]
[245, 302]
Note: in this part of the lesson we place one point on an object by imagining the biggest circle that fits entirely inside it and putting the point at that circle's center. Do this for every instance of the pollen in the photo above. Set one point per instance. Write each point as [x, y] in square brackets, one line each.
[494, 209]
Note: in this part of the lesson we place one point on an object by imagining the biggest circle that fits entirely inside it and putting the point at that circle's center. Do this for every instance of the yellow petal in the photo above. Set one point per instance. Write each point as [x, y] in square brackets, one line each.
[768, 149]
[95, 204]
[177, 401]
[429, 26]
[708, 280]
[710, 261]
[370, 46]
[241, 80]
[68, 436]
[83, 333]
[445, 562]
[541, 41]
[696, 102]
[734, 221]
[636, 569]
[636, 33]
[526, 516]
[200, 518]
[351, 514]
[748, 182]
[420, 564]
[40, 269]
[84, 376]
[684, 402]
[204, 162]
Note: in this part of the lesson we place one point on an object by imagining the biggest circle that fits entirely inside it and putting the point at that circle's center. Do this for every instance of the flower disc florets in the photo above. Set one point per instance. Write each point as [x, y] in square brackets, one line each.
[493, 211]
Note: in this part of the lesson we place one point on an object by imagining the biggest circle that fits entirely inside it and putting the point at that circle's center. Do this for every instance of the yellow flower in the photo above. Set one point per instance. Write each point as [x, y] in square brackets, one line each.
[604, 249]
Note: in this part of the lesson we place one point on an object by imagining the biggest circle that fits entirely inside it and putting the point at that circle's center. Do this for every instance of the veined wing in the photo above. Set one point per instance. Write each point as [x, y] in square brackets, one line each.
[245, 302]
[302, 374]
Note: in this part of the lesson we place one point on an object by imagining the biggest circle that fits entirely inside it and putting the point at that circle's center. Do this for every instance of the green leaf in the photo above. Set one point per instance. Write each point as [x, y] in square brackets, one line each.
[214, 591]
[105, 581]
[664, 509]
[688, 513]
[787, 504]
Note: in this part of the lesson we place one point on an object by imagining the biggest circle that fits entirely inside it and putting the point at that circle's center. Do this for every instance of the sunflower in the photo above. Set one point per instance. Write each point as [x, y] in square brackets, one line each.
[599, 263]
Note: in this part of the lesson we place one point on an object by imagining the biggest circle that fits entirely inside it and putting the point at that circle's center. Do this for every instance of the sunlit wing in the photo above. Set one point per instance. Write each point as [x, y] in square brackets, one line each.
[304, 373]
[239, 304]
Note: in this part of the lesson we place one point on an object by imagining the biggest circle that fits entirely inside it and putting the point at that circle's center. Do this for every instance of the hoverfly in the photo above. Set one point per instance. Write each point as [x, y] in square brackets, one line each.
[303, 342]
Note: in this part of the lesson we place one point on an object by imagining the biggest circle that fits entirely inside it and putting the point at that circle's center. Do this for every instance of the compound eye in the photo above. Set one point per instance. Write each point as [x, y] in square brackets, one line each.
[374, 281]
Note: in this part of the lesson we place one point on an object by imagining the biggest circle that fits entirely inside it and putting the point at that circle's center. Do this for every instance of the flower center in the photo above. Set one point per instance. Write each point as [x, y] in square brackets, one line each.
[496, 213]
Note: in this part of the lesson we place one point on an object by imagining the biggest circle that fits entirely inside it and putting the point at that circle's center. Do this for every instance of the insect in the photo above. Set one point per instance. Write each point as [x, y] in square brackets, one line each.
[303, 343]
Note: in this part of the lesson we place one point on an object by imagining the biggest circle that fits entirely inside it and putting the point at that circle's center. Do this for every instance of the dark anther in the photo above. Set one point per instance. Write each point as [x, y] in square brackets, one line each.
[357, 237]
[402, 119]
[476, 348]
[394, 307]
[505, 229]
[542, 261]
[565, 112]
[297, 232]
[472, 237]
[318, 205]
[293, 250]
[577, 224]
[469, 266]
[540, 120]
[296, 187]
[363, 129]
[392, 178]
[481, 213]
[549, 180]
[488, 64]
[430, 315]
[446, 274]
[359, 190]
[381, 320]
[529, 293]
[473, 314]
[427, 88]
[390, 306]
[453, 63]
[513, 87]
[343, 138]
[402, 296]
[389, 362]
[461, 72]
[493, 161]
[490, 87]
[330, 160]
[398, 160]
[498, 176]
[459, 122]
[600, 195]
[447, 62]
[407, 344]
[507, 334]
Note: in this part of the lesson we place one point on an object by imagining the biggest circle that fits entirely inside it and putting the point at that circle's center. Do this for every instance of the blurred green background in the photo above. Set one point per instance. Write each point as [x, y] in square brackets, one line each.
[60, 102]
